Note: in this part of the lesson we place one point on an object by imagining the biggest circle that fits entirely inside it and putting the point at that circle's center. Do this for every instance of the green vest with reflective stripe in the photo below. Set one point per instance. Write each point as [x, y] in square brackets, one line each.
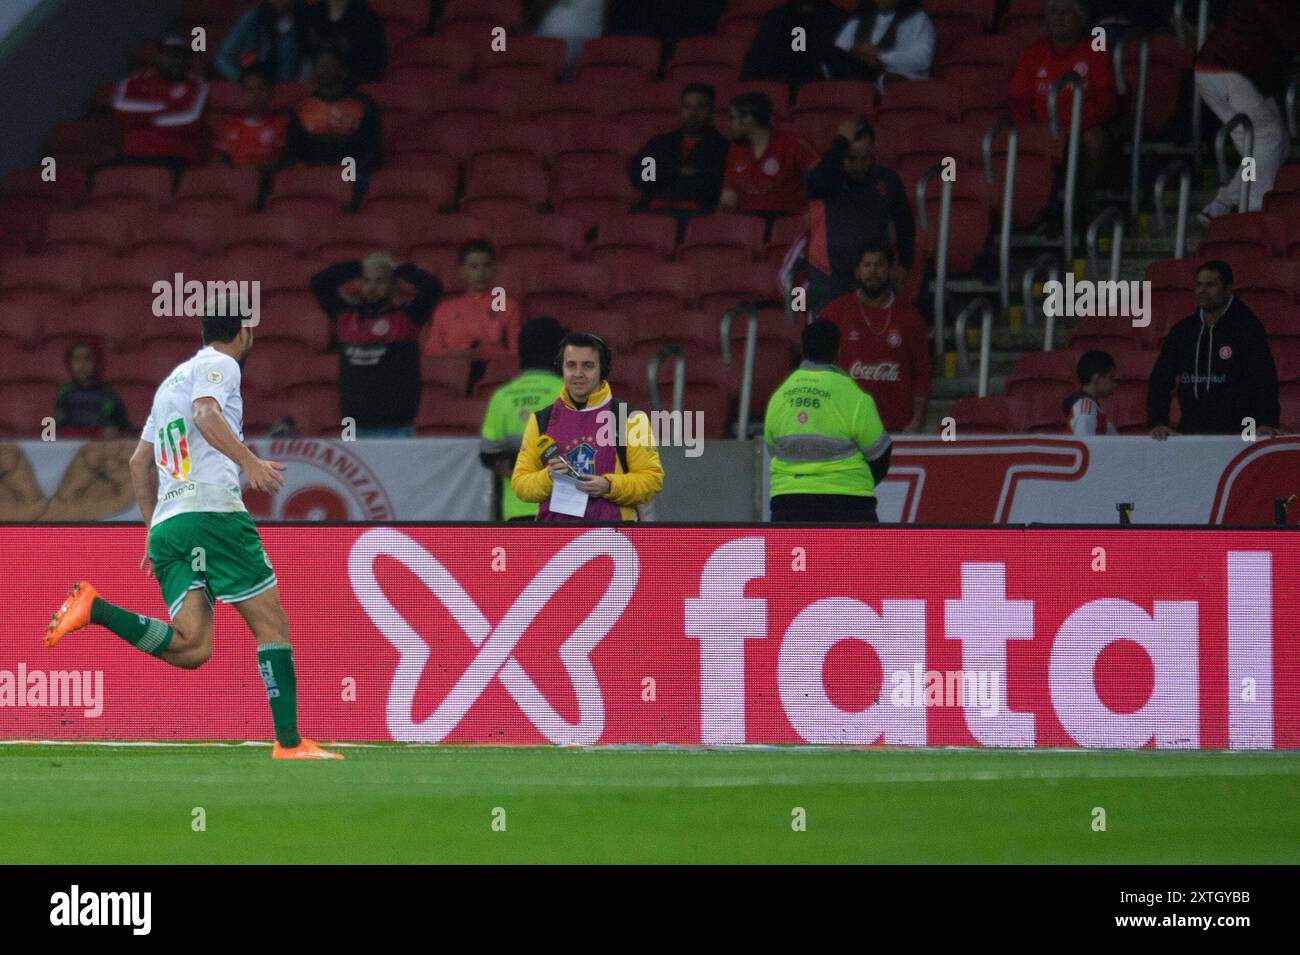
[821, 429]
[504, 423]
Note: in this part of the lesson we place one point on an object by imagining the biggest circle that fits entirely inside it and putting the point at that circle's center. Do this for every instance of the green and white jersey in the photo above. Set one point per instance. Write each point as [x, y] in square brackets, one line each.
[193, 475]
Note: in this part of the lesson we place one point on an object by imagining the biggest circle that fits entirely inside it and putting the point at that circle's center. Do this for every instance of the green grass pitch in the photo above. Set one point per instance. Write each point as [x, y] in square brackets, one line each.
[418, 804]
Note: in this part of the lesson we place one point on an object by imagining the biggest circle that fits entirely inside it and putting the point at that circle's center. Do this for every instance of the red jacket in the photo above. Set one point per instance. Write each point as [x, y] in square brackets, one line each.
[162, 118]
[1043, 64]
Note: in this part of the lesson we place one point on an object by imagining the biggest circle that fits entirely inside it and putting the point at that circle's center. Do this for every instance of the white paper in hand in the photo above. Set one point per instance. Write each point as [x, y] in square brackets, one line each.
[565, 496]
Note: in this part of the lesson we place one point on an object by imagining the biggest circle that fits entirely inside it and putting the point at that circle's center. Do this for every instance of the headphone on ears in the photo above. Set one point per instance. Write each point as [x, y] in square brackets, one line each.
[602, 351]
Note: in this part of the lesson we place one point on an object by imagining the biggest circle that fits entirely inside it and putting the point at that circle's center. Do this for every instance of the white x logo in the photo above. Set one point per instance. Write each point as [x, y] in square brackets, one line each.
[495, 647]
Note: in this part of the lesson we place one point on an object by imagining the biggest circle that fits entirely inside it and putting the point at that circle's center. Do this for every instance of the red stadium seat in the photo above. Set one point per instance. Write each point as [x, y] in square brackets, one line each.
[140, 272]
[615, 328]
[196, 234]
[720, 52]
[1043, 412]
[486, 101]
[499, 187]
[696, 332]
[311, 371]
[522, 141]
[651, 287]
[103, 232]
[447, 232]
[24, 407]
[786, 231]
[721, 237]
[392, 191]
[630, 237]
[1268, 283]
[995, 414]
[404, 101]
[950, 28]
[921, 146]
[257, 231]
[217, 190]
[450, 372]
[488, 13]
[820, 108]
[415, 13]
[614, 59]
[435, 51]
[131, 185]
[355, 236]
[1040, 372]
[526, 61]
[1133, 364]
[42, 280]
[598, 141]
[971, 219]
[84, 143]
[981, 93]
[310, 192]
[1022, 15]
[989, 50]
[566, 287]
[19, 327]
[982, 11]
[776, 353]
[448, 417]
[496, 373]
[293, 315]
[66, 190]
[1035, 150]
[1250, 234]
[636, 101]
[705, 392]
[912, 103]
[1104, 333]
[720, 288]
[561, 236]
[592, 195]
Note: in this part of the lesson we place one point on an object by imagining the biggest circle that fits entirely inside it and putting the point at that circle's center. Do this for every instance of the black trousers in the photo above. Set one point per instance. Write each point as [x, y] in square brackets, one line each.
[824, 509]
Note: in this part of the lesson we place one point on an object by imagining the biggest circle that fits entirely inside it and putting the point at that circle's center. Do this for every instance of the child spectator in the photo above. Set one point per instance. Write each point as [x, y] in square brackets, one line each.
[257, 137]
[85, 407]
[1083, 413]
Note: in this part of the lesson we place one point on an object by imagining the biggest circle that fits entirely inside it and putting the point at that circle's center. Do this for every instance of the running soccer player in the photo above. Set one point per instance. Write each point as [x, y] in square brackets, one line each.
[202, 545]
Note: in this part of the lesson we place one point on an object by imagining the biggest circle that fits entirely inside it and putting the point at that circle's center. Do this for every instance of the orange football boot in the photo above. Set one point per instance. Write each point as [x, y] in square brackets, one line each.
[304, 750]
[73, 615]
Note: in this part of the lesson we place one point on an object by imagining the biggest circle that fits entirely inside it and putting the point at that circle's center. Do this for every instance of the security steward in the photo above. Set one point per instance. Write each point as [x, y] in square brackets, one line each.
[583, 431]
[828, 446]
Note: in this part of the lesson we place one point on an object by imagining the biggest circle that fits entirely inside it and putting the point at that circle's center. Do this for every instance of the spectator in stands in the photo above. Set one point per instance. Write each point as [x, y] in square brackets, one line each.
[1241, 69]
[772, 55]
[885, 347]
[160, 110]
[355, 31]
[377, 337]
[1069, 47]
[335, 122]
[511, 406]
[274, 34]
[85, 407]
[828, 447]
[765, 166]
[573, 21]
[853, 203]
[885, 40]
[256, 138]
[618, 458]
[1220, 361]
[481, 321]
[1084, 416]
[688, 163]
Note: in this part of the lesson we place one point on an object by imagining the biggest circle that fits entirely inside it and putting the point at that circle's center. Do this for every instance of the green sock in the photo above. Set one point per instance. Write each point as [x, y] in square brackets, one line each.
[144, 633]
[275, 663]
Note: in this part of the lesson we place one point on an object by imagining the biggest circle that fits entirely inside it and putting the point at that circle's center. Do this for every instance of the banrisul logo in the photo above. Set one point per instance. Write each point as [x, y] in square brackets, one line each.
[75, 907]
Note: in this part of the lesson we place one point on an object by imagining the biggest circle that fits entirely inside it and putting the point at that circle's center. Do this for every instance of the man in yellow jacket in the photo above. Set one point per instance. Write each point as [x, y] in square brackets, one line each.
[611, 451]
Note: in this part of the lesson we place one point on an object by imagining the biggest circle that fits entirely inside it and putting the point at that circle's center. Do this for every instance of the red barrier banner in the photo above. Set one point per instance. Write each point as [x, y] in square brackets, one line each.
[564, 635]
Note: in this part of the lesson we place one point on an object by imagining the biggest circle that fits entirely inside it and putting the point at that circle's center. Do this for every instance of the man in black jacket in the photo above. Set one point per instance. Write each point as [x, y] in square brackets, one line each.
[853, 201]
[772, 55]
[1220, 361]
[378, 340]
[686, 175]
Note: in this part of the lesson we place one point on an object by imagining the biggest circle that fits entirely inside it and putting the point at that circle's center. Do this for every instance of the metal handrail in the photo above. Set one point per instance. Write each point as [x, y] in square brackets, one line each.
[1139, 112]
[1292, 90]
[751, 350]
[787, 281]
[1183, 170]
[1248, 151]
[1008, 197]
[679, 376]
[1180, 24]
[1113, 217]
[1049, 264]
[1202, 30]
[941, 252]
[1072, 155]
[985, 308]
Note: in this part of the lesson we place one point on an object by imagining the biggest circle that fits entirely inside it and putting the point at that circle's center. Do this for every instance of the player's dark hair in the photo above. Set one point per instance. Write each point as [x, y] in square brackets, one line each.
[470, 246]
[1219, 266]
[884, 248]
[821, 342]
[1093, 363]
[585, 340]
[539, 340]
[221, 319]
[755, 104]
[704, 89]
